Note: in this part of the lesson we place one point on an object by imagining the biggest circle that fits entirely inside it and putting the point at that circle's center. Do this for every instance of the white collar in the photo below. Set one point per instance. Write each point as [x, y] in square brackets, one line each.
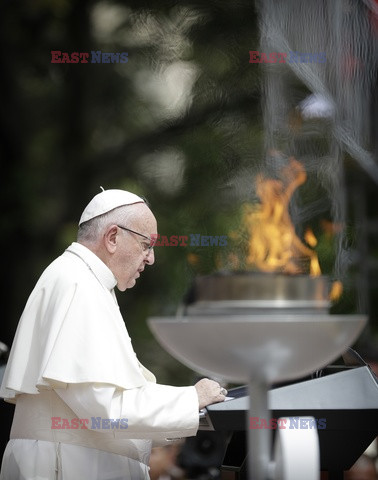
[95, 264]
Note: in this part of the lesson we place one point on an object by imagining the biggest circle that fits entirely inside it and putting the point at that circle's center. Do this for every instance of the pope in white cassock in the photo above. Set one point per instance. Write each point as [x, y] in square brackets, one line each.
[57, 378]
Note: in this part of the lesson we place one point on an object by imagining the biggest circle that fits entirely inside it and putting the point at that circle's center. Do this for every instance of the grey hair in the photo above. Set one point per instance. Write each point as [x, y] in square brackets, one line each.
[92, 230]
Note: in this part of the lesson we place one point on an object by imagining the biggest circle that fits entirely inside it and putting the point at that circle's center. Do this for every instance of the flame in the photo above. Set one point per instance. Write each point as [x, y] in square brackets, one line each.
[310, 237]
[273, 243]
[336, 291]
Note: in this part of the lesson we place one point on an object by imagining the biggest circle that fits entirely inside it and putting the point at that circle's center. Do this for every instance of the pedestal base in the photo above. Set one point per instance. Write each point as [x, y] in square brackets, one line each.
[296, 452]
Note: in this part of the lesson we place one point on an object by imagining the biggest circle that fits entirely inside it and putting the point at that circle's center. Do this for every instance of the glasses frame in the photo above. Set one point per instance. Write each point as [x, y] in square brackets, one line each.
[152, 244]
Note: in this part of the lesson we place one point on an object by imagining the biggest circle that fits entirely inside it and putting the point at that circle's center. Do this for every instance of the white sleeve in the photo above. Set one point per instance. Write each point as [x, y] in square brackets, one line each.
[151, 411]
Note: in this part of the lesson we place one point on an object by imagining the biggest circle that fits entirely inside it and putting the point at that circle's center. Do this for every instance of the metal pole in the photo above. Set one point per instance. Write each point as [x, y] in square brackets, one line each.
[259, 439]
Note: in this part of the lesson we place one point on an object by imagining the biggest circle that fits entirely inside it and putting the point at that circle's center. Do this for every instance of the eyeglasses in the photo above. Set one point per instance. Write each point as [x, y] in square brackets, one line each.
[146, 248]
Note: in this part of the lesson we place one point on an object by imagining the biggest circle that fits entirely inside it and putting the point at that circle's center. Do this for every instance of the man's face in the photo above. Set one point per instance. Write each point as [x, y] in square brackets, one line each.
[130, 258]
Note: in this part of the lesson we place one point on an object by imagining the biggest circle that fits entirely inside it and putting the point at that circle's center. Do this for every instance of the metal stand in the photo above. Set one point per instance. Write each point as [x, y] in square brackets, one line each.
[296, 452]
[259, 439]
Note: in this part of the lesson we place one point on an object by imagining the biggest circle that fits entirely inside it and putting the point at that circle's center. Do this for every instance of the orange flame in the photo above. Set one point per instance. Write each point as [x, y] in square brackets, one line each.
[336, 291]
[274, 245]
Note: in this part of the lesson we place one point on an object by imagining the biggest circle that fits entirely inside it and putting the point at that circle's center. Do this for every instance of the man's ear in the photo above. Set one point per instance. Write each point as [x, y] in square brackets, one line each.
[110, 238]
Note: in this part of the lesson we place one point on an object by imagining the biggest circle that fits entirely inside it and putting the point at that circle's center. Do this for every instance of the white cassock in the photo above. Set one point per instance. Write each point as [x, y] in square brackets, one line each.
[72, 364]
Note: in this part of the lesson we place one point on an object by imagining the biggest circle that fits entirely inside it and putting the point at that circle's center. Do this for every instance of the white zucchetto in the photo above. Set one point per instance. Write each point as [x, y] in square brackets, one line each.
[107, 200]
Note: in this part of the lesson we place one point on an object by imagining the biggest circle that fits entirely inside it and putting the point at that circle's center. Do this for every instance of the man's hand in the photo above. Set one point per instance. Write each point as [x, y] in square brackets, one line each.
[209, 392]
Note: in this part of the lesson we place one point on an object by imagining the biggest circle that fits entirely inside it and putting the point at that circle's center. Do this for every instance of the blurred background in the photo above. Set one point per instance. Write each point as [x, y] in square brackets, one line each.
[189, 123]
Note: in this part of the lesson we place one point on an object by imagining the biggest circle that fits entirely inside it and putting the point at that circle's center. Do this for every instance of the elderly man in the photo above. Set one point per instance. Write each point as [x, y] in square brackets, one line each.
[81, 413]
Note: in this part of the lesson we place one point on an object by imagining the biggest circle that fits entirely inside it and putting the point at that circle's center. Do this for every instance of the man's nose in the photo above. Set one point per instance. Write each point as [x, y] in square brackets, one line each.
[150, 258]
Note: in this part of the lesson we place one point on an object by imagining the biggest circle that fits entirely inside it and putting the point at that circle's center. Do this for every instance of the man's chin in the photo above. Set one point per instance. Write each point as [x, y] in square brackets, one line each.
[130, 284]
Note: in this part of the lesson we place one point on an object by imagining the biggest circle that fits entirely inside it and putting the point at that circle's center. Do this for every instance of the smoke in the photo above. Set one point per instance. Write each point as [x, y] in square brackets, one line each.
[318, 111]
